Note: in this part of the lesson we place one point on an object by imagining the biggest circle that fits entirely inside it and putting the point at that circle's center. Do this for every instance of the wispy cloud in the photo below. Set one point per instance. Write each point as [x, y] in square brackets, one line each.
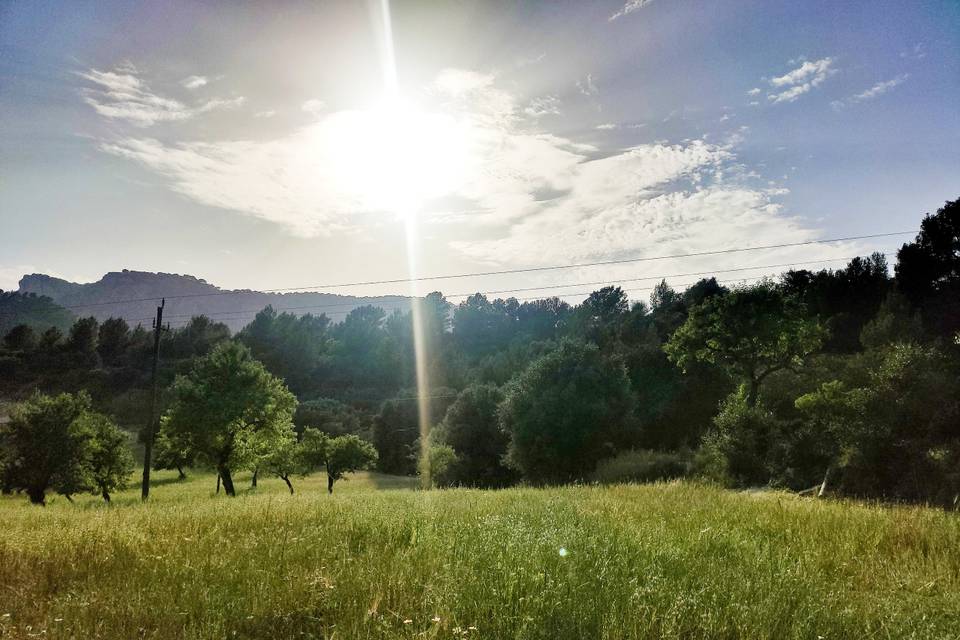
[754, 92]
[543, 106]
[916, 52]
[606, 126]
[194, 82]
[795, 83]
[587, 86]
[628, 8]
[314, 106]
[122, 95]
[875, 91]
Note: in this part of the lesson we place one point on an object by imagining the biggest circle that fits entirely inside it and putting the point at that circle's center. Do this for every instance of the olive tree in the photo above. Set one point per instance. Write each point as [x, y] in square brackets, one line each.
[346, 454]
[226, 407]
[59, 443]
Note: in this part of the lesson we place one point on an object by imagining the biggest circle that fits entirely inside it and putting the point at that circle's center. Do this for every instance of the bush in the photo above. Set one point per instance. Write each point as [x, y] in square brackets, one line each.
[643, 465]
[744, 436]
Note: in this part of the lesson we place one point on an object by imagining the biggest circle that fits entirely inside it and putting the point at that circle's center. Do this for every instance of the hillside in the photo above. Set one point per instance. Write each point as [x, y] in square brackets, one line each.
[677, 561]
[187, 296]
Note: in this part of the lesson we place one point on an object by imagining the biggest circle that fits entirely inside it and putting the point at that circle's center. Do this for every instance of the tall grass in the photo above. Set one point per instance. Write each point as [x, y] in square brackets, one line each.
[376, 560]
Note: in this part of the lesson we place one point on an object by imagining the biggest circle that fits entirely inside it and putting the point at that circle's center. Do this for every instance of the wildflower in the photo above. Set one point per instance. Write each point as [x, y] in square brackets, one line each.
[563, 552]
[436, 619]
[408, 621]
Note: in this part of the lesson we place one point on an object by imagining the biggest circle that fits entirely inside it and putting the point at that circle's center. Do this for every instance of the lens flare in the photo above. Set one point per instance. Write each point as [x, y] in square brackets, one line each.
[405, 202]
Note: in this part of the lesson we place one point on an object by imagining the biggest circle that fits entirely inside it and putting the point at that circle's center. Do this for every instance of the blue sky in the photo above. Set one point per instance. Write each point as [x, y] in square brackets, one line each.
[250, 145]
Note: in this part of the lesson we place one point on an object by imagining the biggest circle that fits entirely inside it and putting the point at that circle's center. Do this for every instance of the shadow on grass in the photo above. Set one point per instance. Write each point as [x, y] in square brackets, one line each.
[382, 481]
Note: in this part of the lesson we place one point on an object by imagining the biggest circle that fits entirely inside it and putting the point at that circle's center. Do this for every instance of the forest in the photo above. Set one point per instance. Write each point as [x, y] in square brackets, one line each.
[843, 382]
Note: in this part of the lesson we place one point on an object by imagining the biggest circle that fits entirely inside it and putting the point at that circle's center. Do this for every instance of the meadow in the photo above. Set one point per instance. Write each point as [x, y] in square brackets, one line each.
[379, 559]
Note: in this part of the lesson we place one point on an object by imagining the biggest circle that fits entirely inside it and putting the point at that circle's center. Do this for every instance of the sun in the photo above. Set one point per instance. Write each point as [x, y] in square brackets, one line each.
[394, 156]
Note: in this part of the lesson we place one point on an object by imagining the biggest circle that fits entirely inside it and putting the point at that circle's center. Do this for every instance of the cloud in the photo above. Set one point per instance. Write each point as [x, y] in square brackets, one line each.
[628, 8]
[526, 197]
[543, 106]
[754, 92]
[875, 91]
[122, 95]
[587, 87]
[314, 106]
[801, 80]
[269, 113]
[917, 52]
[606, 126]
[194, 82]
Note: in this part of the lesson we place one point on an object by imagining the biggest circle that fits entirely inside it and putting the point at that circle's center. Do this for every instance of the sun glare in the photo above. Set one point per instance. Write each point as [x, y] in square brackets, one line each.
[394, 156]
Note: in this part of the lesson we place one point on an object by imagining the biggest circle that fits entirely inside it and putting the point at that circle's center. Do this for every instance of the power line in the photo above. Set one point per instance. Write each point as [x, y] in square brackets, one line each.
[406, 301]
[506, 271]
[239, 315]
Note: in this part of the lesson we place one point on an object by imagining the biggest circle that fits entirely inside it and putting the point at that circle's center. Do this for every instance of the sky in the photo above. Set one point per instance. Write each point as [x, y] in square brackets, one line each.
[289, 144]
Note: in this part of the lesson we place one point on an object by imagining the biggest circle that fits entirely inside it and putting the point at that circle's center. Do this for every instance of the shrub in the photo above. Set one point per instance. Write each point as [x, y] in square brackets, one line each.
[643, 465]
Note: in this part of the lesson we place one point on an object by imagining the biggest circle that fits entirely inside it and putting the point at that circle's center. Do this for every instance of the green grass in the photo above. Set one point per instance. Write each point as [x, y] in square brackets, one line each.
[379, 560]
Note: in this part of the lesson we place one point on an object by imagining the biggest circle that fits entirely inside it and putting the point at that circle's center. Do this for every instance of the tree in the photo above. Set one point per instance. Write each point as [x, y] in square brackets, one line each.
[291, 458]
[750, 332]
[225, 405]
[896, 433]
[45, 445]
[567, 411]
[289, 346]
[107, 458]
[173, 451]
[83, 336]
[928, 269]
[113, 340]
[471, 428]
[20, 338]
[347, 454]
[396, 429]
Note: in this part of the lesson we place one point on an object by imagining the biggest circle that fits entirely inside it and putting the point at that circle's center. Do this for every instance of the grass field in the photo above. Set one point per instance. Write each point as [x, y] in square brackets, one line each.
[379, 560]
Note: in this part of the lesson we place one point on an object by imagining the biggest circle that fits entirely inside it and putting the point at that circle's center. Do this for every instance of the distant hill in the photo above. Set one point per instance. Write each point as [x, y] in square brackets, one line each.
[39, 312]
[134, 295]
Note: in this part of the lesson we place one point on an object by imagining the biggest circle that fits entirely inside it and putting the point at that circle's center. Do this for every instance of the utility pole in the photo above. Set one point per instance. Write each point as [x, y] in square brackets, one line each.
[151, 430]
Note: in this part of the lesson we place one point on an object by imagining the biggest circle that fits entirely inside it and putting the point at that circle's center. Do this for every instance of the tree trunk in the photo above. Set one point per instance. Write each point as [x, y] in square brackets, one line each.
[227, 482]
[253, 483]
[37, 496]
[753, 392]
[106, 496]
[329, 483]
[218, 484]
[289, 486]
[180, 474]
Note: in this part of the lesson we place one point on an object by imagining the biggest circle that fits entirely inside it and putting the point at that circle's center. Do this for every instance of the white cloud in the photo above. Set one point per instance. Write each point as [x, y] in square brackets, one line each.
[543, 106]
[628, 8]
[269, 113]
[194, 82]
[875, 91]
[801, 80]
[606, 126]
[526, 198]
[587, 86]
[122, 95]
[754, 92]
[880, 88]
[314, 106]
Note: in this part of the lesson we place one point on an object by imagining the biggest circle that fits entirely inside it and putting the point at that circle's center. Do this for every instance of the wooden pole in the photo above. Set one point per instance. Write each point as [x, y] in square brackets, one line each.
[150, 432]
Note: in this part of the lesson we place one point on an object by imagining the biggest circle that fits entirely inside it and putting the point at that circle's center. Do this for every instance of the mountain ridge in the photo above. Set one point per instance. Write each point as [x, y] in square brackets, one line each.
[134, 295]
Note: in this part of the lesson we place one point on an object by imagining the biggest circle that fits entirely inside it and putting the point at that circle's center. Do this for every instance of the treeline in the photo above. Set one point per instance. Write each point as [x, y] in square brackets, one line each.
[846, 381]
